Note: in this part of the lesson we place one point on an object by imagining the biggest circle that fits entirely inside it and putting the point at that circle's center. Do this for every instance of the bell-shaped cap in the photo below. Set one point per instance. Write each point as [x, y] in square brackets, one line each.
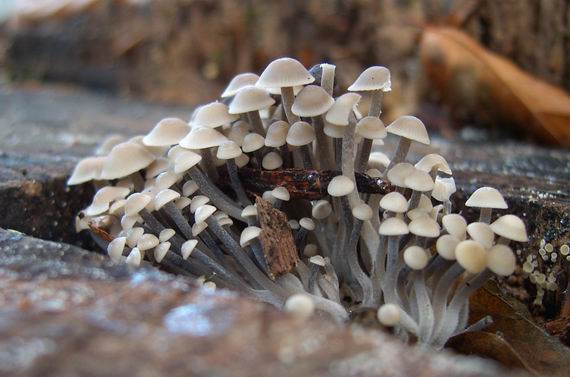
[501, 260]
[186, 160]
[126, 159]
[214, 114]
[248, 235]
[424, 226]
[272, 161]
[378, 160]
[321, 209]
[340, 185]
[431, 161]
[301, 133]
[393, 226]
[147, 241]
[202, 138]
[228, 150]
[284, 72]
[371, 127]
[136, 203]
[409, 127]
[189, 188]
[281, 193]
[373, 78]
[455, 224]
[250, 210]
[362, 212]
[87, 170]
[471, 256]
[399, 172]
[188, 247]
[394, 202]
[160, 251]
[277, 134]
[250, 98]
[443, 188]
[415, 257]
[510, 227]
[197, 202]
[482, 233]
[163, 197]
[446, 245]
[343, 106]
[307, 223]
[336, 132]
[167, 132]
[418, 180]
[166, 234]
[109, 143]
[238, 82]
[312, 101]
[486, 197]
[253, 142]
[203, 213]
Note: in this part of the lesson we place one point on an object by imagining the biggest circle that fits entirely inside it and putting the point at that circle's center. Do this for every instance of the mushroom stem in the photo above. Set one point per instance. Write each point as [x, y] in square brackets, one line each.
[480, 325]
[257, 252]
[323, 148]
[176, 215]
[425, 309]
[391, 275]
[300, 238]
[357, 272]
[338, 154]
[400, 154]
[306, 157]
[286, 156]
[378, 269]
[414, 199]
[348, 159]
[235, 182]
[256, 123]
[364, 155]
[485, 215]
[327, 78]
[287, 99]
[208, 165]
[376, 103]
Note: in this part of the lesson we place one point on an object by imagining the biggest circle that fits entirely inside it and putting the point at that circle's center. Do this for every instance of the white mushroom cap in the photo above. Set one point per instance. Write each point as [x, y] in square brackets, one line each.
[321, 209]
[455, 225]
[161, 250]
[293, 224]
[374, 173]
[202, 138]
[186, 160]
[277, 134]
[310, 250]
[371, 127]
[87, 170]
[300, 305]
[340, 185]
[204, 212]
[424, 226]
[250, 210]
[394, 202]
[224, 221]
[134, 258]
[425, 203]
[418, 180]
[250, 98]
[344, 105]
[482, 233]
[214, 114]
[307, 223]
[397, 175]
[187, 248]
[318, 260]
[378, 160]
[443, 188]
[160, 165]
[163, 197]
[501, 260]
[272, 161]
[182, 202]
[510, 227]
[167, 132]
[389, 315]
[393, 226]
[197, 202]
[336, 132]
[253, 142]
[133, 236]
[189, 188]
[311, 101]
[300, 133]
[127, 222]
[166, 234]
[228, 150]
[115, 249]
[248, 235]
[362, 212]
[284, 72]
[486, 197]
[415, 257]
[109, 143]
[136, 203]
[471, 256]
[198, 228]
[281, 193]
[117, 208]
[166, 180]
[373, 78]
[174, 152]
[277, 91]
[125, 159]
[428, 162]
[409, 127]
[238, 82]
[147, 241]
[156, 151]
[446, 245]
[237, 132]
[103, 197]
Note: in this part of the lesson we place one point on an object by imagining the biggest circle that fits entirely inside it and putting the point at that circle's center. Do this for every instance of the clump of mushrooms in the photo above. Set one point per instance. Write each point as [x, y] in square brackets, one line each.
[378, 234]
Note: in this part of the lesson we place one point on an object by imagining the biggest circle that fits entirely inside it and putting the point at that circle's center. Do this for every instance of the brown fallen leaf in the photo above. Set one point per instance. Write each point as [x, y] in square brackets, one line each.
[467, 74]
[514, 339]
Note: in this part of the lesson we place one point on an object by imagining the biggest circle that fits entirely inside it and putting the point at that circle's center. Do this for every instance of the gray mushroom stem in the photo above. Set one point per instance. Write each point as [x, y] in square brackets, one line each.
[306, 157]
[348, 159]
[391, 276]
[485, 215]
[363, 280]
[287, 99]
[256, 123]
[323, 147]
[425, 309]
[236, 183]
[327, 78]
[364, 155]
[400, 154]
[376, 103]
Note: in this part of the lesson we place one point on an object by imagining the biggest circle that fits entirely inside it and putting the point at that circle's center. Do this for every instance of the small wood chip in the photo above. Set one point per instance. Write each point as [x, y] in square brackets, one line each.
[276, 239]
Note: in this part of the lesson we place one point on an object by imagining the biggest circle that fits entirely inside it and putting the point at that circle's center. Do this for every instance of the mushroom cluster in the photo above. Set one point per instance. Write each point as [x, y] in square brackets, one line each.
[177, 197]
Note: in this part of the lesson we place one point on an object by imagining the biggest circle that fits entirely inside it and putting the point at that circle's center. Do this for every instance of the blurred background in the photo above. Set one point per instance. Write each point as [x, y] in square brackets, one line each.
[502, 66]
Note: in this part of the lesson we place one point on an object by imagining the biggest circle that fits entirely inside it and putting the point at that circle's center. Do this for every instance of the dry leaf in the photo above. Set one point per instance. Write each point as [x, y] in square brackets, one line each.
[468, 74]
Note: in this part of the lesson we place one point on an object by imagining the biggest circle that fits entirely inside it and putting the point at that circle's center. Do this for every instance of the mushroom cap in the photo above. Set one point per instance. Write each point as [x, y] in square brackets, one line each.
[343, 106]
[161, 250]
[424, 226]
[393, 226]
[300, 305]
[471, 256]
[166, 234]
[389, 315]
[318, 260]
[147, 241]
[446, 245]
[106, 145]
[198, 228]
[228, 150]
[293, 224]
[166, 180]
[284, 72]
[277, 134]
[397, 175]
[362, 212]
[160, 165]
[272, 161]
[281, 193]
[125, 159]
[371, 127]
[249, 234]
[237, 132]
[419, 180]
[425, 203]
[321, 209]
[340, 185]
[115, 248]
[373, 78]
[415, 257]
[174, 152]
[167, 132]
[117, 208]
[163, 197]
[103, 197]
[336, 132]
[188, 247]
[431, 161]
[378, 160]
[134, 258]
[409, 127]
[300, 133]
[482, 233]
[182, 202]
[238, 82]
[511, 227]
[87, 170]
[312, 101]
[204, 212]
[189, 188]
[185, 161]
[394, 202]
[197, 202]
[455, 224]
[307, 223]
[213, 114]
[133, 236]
[156, 151]
[443, 188]
[277, 91]
[486, 197]
[501, 260]
[250, 210]
[202, 138]
[250, 98]
[374, 173]
[253, 142]
[136, 203]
